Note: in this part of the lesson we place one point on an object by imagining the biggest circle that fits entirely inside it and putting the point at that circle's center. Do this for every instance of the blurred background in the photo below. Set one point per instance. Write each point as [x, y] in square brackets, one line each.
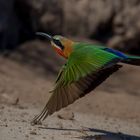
[28, 66]
[115, 23]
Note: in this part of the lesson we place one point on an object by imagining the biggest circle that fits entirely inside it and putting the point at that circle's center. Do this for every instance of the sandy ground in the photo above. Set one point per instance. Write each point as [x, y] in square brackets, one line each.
[111, 112]
[15, 124]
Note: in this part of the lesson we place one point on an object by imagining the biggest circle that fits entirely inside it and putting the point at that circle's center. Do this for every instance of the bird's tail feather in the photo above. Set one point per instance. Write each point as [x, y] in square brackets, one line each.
[133, 60]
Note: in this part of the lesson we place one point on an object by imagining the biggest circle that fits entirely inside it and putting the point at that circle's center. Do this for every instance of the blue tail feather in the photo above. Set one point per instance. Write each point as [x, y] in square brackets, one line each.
[118, 53]
[133, 60]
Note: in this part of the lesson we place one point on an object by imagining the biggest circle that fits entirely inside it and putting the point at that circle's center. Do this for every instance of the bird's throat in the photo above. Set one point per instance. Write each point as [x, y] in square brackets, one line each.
[60, 52]
[68, 48]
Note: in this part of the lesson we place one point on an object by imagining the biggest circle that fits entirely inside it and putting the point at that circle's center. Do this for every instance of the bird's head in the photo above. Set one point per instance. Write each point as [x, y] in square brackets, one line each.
[62, 45]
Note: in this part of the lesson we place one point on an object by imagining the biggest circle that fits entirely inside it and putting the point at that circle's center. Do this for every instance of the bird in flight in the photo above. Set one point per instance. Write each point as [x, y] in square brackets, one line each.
[87, 66]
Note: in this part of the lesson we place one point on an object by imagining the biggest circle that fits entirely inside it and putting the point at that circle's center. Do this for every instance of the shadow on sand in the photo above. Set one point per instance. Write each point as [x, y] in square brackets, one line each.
[101, 134]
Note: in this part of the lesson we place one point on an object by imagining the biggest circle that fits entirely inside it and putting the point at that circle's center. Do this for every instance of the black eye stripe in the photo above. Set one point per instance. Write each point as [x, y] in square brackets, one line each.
[58, 43]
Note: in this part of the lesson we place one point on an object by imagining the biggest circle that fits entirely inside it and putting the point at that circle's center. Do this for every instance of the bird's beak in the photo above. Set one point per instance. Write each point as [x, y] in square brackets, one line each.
[49, 37]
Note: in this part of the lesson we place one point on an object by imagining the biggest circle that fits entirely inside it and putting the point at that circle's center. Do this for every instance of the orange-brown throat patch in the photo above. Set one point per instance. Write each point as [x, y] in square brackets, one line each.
[68, 48]
[60, 52]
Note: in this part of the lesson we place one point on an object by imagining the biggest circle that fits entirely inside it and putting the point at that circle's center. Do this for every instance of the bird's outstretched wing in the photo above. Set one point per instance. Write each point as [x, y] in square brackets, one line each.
[84, 71]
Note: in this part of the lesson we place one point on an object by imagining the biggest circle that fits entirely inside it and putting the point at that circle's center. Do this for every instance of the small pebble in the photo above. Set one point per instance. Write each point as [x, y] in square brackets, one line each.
[33, 133]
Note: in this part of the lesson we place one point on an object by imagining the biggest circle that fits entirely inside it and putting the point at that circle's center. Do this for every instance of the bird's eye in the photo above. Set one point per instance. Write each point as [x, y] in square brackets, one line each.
[58, 43]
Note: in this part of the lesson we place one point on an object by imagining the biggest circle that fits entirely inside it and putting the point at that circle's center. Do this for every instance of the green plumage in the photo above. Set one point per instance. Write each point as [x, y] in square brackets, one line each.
[87, 67]
[85, 60]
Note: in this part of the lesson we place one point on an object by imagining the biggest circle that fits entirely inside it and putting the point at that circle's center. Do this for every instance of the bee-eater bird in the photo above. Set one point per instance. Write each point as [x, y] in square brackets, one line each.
[87, 66]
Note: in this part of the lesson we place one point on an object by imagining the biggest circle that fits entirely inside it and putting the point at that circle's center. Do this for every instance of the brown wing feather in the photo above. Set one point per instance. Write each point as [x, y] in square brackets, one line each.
[63, 96]
[98, 78]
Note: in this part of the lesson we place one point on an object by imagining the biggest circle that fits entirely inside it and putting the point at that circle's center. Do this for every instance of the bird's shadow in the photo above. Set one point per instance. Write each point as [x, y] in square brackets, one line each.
[107, 135]
[100, 134]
